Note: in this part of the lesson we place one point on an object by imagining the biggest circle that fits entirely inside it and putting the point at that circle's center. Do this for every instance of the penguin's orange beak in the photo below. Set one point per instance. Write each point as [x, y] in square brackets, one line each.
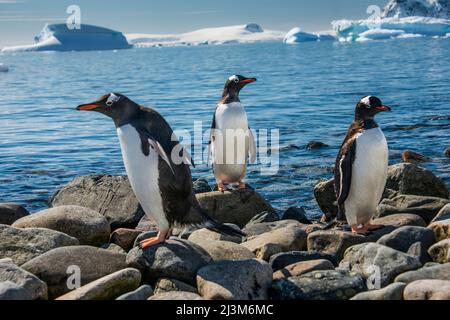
[383, 108]
[248, 80]
[88, 106]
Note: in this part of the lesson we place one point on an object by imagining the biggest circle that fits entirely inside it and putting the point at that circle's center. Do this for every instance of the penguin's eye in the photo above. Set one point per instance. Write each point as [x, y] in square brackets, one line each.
[236, 80]
[112, 99]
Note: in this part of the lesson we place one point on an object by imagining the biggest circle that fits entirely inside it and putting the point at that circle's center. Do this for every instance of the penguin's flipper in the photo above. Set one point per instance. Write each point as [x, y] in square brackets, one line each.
[160, 150]
[211, 148]
[343, 170]
[252, 146]
[187, 158]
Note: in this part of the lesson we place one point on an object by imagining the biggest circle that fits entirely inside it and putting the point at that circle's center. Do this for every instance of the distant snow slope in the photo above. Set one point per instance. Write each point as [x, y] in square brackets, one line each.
[423, 8]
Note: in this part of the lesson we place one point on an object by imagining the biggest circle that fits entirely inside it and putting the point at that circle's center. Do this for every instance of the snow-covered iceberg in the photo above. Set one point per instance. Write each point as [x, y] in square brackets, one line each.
[296, 35]
[57, 37]
[233, 34]
[3, 67]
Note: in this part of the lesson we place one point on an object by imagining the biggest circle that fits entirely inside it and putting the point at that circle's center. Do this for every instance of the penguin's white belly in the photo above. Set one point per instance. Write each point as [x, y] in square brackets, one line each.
[143, 174]
[369, 174]
[231, 149]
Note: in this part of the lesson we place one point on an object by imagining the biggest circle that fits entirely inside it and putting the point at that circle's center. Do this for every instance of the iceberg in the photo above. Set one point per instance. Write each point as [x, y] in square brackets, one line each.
[296, 35]
[57, 37]
[3, 67]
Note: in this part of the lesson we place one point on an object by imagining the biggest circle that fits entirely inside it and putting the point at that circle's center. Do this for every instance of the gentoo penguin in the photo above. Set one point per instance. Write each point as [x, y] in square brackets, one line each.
[232, 142]
[361, 167]
[157, 167]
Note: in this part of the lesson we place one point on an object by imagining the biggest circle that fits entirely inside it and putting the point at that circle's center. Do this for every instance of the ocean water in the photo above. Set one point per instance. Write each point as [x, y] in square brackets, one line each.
[307, 92]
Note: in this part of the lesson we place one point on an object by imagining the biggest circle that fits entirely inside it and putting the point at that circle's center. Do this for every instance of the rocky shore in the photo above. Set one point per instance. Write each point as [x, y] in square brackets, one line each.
[84, 247]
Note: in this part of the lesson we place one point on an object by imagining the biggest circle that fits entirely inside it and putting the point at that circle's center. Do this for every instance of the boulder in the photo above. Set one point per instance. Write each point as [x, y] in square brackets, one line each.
[22, 245]
[10, 212]
[319, 285]
[88, 226]
[443, 214]
[60, 268]
[176, 296]
[299, 268]
[202, 235]
[440, 252]
[124, 238]
[111, 196]
[236, 207]
[290, 238]
[401, 220]
[425, 207]
[174, 259]
[252, 229]
[435, 272]
[428, 290]
[313, 145]
[394, 291]
[169, 285]
[145, 235]
[441, 229]
[447, 152]
[410, 156]
[281, 260]
[225, 250]
[18, 284]
[113, 248]
[379, 263]
[403, 238]
[326, 198]
[235, 280]
[418, 249]
[201, 186]
[297, 214]
[141, 293]
[266, 216]
[108, 287]
[146, 224]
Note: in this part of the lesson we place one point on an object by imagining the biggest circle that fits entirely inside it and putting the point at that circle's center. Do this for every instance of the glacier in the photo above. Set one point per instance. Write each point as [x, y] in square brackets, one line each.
[3, 67]
[296, 35]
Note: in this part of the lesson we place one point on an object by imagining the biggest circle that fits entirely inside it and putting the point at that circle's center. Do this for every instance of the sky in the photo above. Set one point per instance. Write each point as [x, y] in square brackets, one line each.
[21, 20]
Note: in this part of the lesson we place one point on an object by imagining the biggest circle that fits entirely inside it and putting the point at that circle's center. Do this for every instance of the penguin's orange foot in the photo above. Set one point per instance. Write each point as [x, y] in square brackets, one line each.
[360, 230]
[160, 238]
[221, 187]
[373, 227]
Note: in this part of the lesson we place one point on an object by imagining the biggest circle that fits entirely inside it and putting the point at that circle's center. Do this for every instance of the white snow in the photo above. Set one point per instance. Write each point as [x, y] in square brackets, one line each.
[424, 8]
[296, 35]
[3, 67]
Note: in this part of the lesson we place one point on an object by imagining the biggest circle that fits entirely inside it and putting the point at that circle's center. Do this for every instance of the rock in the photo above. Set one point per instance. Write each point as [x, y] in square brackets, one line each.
[443, 214]
[22, 245]
[144, 236]
[108, 287]
[297, 214]
[10, 212]
[141, 293]
[436, 272]
[176, 296]
[326, 198]
[235, 280]
[319, 285]
[62, 266]
[174, 259]
[418, 250]
[18, 284]
[403, 238]
[146, 224]
[169, 285]
[409, 156]
[289, 238]
[401, 220]
[88, 226]
[447, 152]
[303, 267]
[425, 207]
[234, 207]
[441, 229]
[201, 186]
[266, 216]
[383, 264]
[185, 232]
[410, 179]
[124, 238]
[109, 195]
[392, 292]
[252, 229]
[428, 290]
[204, 234]
[440, 252]
[225, 250]
[113, 248]
[313, 145]
[282, 260]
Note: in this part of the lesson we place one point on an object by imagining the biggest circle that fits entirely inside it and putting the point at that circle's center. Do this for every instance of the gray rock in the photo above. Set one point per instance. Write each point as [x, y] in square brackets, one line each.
[295, 213]
[392, 292]
[22, 245]
[403, 238]
[379, 262]
[266, 216]
[418, 250]
[284, 259]
[401, 220]
[10, 212]
[440, 252]
[428, 290]
[252, 229]
[202, 235]
[88, 226]
[225, 250]
[441, 229]
[108, 287]
[174, 259]
[319, 285]
[436, 272]
[425, 207]
[326, 198]
[141, 293]
[146, 224]
[143, 236]
[201, 186]
[176, 296]
[18, 284]
[125, 238]
[236, 207]
[109, 195]
[303, 267]
[61, 266]
[113, 248]
[169, 285]
[443, 214]
[235, 280]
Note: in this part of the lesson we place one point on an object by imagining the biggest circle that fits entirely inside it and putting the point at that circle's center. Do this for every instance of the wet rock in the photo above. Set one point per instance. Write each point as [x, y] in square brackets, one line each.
[371, 259]
[428, 290]
[235, 280]
[285, 239]
[174, 259]
[111, 196]
[237, 207]
[18, 284]
[124, 238]
[176, 296]
[319, 285]
[201, 186]
[403, 238]
[303, 267]
[409, 156]
[281, 260]
[425, 207]
[113, 248]
[108, 287]
[252, 229]
[295, 213]
[392, 292]
[437, 272]
[141, 293]
[314, 145]
[10, 212]
[204, 234]
[22, 245]
[440, 252]
[443, 214]
[401, 220]
[88, 226]
[326, 198]
[266, 216]
[170, 285]
[61, 266]
[225, 250]
[441, 229]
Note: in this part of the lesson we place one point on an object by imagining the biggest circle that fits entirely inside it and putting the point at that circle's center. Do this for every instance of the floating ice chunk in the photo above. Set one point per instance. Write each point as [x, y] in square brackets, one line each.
[380, 34]
[296, 35]
[3, 67]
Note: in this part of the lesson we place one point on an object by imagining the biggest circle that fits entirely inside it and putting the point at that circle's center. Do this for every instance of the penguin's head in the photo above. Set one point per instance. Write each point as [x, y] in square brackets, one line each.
[113, 105]
[234, 85]
[369, 106]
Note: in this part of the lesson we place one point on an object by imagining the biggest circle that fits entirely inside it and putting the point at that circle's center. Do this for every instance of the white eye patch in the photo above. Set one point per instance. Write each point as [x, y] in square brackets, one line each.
[234, 79]
[112, 99]
[366, 101]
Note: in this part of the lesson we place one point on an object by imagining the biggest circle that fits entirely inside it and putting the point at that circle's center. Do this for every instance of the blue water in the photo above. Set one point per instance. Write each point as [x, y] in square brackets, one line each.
[308, 92]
